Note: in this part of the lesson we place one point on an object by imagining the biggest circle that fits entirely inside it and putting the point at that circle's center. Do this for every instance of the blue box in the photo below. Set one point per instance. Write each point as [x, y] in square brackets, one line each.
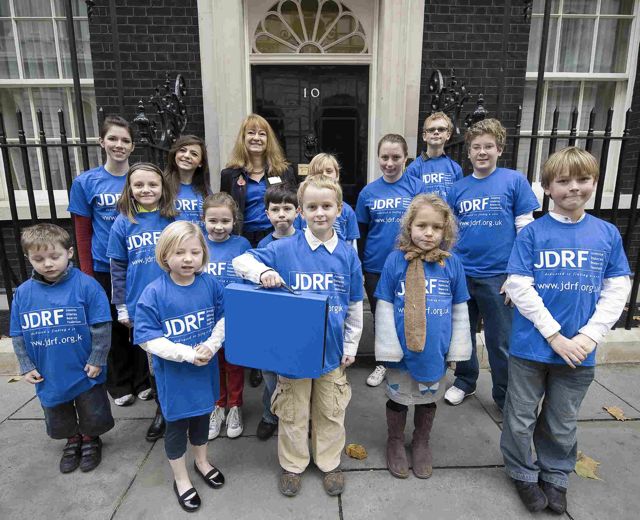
[275, 330]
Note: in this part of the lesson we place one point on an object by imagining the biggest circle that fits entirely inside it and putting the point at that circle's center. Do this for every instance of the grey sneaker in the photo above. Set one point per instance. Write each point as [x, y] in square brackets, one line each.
[289, 483]
[215, 422]
[333, 482]
[377, 376]
[234, 422]
[125, 400]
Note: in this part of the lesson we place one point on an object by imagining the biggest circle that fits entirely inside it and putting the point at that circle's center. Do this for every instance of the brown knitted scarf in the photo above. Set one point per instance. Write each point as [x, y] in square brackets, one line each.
[415, 302]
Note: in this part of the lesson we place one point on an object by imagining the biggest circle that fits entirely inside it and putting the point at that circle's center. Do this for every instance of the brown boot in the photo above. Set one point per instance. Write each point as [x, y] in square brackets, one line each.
[421, 451]
[396, 454]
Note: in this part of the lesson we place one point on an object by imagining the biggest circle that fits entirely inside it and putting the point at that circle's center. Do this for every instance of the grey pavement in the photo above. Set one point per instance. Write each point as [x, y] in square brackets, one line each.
[134, 479]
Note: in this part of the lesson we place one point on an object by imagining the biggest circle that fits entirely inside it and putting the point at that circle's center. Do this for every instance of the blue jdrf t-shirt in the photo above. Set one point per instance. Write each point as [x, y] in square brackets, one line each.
[270, 238]
[346, 225]
[136, 244]
[568, 263]
[94, 194]
[220, 256]
[337, 275]
[187, 315]
[444, 287]
[54, 322]
[381, 205]
[437, 173]
[486, 210]
[189, 204]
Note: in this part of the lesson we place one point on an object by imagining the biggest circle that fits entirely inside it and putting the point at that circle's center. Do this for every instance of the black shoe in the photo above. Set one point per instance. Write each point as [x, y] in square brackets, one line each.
[531, 495]
[190, 505]
[214, 478]
[70, 456]
[265, 429]
[156, 429]
[255, 377]
[91, 454]
[556, 495]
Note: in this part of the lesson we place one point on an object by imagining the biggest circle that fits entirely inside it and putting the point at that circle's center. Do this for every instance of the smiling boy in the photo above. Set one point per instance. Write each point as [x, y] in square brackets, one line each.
[335, 268]
[492, 205]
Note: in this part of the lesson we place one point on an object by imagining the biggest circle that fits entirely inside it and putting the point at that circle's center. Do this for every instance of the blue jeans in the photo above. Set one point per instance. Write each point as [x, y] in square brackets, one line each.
[553, 430]
[486, 301]
[270, 381]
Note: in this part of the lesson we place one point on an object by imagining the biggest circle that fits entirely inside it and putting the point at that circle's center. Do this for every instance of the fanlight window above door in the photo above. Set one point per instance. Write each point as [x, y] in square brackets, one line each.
[309, 27]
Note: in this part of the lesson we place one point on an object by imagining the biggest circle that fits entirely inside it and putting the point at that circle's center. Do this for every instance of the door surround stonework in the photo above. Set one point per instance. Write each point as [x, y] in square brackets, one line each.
[395, 45]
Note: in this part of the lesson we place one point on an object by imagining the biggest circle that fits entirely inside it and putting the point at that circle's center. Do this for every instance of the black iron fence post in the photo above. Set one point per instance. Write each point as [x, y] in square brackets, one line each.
[542, 62]
[76, 83]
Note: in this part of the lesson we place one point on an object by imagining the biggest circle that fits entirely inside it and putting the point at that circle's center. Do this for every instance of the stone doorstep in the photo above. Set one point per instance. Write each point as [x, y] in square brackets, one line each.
[620, 346]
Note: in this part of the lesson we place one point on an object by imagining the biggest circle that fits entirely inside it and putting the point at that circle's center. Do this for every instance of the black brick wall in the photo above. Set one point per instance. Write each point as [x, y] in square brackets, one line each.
[467, 37]
[154, 38]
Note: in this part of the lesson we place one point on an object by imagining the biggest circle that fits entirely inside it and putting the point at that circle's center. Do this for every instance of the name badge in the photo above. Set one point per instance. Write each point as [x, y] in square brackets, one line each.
[274, 180]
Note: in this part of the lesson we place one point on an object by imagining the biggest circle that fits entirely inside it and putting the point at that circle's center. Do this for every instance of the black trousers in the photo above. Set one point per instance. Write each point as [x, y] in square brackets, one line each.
[127, 367]
[175, 436]
[370, 284]
[88, 414]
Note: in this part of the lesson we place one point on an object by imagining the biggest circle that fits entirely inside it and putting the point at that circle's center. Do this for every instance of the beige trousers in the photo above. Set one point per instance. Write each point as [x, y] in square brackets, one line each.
[325, 400]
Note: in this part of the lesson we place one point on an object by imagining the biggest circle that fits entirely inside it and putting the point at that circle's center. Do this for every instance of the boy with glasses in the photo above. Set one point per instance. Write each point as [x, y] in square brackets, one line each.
[433, 167]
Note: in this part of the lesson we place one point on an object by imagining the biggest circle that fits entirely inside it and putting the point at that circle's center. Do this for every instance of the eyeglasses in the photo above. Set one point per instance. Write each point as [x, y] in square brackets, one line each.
[433, 130]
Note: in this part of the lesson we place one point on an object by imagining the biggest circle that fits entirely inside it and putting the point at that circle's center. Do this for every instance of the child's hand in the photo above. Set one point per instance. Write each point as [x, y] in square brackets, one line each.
[585, 342]
[571, 351]
[92, 370]
[503, 290]
[347, 360]
[33, 377]
[451, 365]
[126, 322]
[204, 351]
[270, 279]
[202, 358]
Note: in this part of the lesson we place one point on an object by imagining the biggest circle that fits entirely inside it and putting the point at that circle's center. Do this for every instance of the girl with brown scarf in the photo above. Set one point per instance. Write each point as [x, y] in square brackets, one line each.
[422, 323]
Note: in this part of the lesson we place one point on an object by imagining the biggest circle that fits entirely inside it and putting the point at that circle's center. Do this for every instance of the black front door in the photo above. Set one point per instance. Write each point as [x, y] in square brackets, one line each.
[318, 108]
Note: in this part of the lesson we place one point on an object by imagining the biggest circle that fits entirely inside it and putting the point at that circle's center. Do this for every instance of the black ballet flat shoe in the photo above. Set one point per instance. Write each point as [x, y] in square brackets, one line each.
[190, 505]
[214, 478]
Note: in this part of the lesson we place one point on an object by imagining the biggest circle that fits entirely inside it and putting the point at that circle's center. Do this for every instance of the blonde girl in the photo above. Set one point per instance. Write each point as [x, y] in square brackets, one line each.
[346, 224]
[179, 321]
[422, 323]
[188, 171]
[220, 217]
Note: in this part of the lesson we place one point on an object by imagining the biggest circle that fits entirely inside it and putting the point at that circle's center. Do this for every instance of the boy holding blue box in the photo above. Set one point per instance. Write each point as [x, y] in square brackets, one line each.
[61, 333]
[334, 267]
[569, 279]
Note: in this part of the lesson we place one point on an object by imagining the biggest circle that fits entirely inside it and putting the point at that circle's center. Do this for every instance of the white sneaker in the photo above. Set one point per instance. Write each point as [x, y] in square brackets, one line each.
[125, 400]
[454, 396]
[234, 423]
[145, 395]
[377, 376]
[215, 422]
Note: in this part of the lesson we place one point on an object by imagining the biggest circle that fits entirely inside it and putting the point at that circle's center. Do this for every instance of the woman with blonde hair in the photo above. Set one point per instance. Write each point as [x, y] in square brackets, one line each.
[257, 162]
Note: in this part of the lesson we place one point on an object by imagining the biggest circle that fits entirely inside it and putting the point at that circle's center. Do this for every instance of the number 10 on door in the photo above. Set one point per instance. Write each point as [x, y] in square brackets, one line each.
[314, 92]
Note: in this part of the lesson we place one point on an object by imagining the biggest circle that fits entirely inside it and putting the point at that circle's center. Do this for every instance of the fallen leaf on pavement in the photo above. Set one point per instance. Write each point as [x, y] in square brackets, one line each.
[14, 379]
[616, 411]
[356, 451]
[586, 467]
